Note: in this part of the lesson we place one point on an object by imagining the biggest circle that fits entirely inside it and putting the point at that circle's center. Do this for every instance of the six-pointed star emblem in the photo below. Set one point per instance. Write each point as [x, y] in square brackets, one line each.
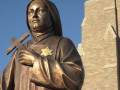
[46, 52]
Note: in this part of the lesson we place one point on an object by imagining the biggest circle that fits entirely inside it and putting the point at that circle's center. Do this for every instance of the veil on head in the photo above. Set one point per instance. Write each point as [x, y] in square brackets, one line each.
[57, 28]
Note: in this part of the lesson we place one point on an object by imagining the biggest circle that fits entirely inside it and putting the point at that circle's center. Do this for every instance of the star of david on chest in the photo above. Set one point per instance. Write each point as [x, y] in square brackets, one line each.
[46, 51]
[42, 50]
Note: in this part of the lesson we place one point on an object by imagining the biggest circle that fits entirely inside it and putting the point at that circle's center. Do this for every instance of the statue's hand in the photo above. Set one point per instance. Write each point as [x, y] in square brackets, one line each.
[27, 57]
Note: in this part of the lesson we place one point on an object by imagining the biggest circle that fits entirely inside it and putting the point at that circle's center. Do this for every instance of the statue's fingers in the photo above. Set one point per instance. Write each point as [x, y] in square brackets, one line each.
[21, 58]
[23, 53]
[24, 57]
[27, 52]
[23, 61]
[27, 62]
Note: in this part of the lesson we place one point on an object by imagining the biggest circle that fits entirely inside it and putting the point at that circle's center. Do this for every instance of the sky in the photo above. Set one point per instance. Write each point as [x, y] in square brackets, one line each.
[13, 23]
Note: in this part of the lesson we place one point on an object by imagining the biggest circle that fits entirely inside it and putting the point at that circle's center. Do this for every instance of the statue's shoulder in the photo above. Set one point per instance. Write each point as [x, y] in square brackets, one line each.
[62, 39]
[66, 41]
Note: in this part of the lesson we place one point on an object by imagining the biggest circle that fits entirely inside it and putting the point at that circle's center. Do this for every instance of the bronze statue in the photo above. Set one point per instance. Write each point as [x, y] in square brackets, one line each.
[48, 61]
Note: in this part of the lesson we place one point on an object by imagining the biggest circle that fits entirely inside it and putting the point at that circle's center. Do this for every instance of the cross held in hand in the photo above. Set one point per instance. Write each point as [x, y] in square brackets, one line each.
[17, 43]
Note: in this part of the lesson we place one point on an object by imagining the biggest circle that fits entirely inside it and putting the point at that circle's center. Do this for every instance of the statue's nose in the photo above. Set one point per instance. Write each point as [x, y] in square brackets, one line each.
[35, 14]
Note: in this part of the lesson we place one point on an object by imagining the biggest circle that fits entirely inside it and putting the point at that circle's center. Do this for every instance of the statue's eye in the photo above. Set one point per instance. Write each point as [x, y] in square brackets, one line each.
[41, 10]
[31, 11]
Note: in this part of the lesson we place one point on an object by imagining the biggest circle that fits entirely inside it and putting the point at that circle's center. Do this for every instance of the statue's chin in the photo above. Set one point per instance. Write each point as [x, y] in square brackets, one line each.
[37, 29]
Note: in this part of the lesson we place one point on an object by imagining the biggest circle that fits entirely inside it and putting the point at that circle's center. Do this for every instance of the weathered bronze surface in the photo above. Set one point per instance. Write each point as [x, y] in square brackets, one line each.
[48, 61]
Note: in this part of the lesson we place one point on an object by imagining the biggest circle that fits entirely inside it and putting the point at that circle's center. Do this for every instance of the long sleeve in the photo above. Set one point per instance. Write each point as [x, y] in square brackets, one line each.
[7, 77]
[66, 72]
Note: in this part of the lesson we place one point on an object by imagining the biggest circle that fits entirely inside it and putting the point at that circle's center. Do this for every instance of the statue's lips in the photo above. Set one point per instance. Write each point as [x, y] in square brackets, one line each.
[36, 21]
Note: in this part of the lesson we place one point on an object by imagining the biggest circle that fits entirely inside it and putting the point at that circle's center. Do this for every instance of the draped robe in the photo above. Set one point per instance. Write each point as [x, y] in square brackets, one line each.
[62, 70]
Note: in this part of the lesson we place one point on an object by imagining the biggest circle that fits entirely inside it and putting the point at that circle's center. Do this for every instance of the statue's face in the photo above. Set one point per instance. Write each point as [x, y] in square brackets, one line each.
[38, 17]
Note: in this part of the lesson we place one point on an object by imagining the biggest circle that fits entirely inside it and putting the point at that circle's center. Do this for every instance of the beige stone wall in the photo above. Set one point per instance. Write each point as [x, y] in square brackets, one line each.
[99, 45]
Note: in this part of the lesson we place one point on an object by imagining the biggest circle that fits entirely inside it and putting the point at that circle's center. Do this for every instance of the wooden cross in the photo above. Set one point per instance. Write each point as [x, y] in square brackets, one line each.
[17, 43]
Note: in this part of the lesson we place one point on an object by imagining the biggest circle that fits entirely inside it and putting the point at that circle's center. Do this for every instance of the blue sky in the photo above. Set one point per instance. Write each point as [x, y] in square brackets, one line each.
[13, 22]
